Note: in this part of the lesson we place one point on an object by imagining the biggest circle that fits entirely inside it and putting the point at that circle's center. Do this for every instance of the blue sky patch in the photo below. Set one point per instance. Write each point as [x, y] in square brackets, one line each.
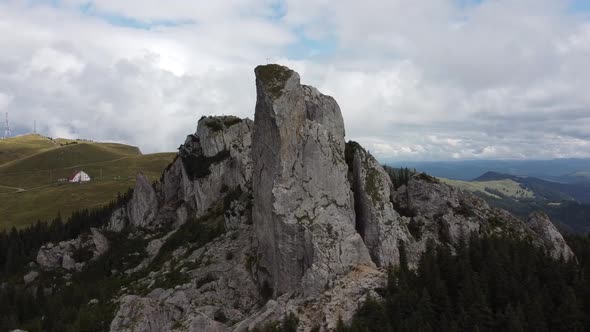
[125, 21]
[306, 48]
[580, 5]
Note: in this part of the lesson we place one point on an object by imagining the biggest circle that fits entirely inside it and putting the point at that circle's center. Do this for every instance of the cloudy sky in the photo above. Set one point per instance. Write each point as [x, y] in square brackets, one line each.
[416, 80]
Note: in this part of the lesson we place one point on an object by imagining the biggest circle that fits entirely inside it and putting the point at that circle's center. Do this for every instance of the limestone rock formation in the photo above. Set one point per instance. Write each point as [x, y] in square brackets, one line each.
[143, 207]
[303, 209]
[553, 241]
[378, 223]
[257, 219]
[210, 178]
[30, 277]
[212, 162]
[217, 288]
[52, 256]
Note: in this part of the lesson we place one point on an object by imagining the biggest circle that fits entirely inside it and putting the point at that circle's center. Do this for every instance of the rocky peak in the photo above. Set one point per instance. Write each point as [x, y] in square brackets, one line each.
[553, 241]
[272, 79]
[143, 207]
[276, 216]
[213, 162]
[303, 209]
[217, 133]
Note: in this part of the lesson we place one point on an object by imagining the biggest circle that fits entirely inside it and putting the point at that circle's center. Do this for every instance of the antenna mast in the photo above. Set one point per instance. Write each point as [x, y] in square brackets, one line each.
[6, 127]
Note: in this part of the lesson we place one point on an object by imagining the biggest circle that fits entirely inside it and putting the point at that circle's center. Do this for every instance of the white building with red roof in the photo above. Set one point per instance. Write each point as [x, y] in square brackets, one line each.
[79, 176]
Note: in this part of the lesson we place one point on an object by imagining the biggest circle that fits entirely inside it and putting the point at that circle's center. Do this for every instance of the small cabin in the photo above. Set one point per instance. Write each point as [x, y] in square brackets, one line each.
[79, 176]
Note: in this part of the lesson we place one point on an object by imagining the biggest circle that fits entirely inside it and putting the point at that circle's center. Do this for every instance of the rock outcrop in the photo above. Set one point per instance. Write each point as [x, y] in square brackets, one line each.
[143, 207]
[216, 288]
[255, 220]
[63, 254]
[303, 209]
[377, 222]
[30, 277]
[552, 240]
[216, 160]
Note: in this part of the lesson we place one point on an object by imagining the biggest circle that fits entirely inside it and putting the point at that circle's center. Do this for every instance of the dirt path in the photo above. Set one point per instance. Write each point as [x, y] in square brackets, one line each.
[20, 190]
[69, 167]
[94, 163]
[17, 190]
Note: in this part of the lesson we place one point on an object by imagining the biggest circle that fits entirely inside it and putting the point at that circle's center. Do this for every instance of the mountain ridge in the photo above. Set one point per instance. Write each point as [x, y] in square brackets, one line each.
[256, 221]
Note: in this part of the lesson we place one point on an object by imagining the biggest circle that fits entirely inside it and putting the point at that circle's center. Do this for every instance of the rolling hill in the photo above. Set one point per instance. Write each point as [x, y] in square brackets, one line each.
[34, 168]
[567, 204]
[559, 170]
[15, 148]
[548, 190]
[494, 188]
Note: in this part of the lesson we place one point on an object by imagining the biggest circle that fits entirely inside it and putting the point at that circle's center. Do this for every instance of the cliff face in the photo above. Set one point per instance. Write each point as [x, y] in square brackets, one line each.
[303, 209]
[257, 219]
[380, 226]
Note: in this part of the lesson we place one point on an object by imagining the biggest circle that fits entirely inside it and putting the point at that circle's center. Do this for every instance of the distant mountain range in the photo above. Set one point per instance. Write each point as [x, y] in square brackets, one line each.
[556, 170]
[544, 189]
[568, 204]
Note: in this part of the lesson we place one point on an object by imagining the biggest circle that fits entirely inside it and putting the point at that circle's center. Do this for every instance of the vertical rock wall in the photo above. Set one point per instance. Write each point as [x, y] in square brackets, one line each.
[303, 207]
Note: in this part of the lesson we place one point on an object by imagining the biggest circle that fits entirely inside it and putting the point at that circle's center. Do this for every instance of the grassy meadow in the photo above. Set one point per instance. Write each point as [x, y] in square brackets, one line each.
[507, 187]
[32, 177]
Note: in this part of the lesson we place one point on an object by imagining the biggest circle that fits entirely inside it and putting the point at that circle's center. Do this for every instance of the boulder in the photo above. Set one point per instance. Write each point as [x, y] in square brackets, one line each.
[118, 220]
[68, 263]
[142, 314]
[48, 259]
[101, 243]
[30, 277]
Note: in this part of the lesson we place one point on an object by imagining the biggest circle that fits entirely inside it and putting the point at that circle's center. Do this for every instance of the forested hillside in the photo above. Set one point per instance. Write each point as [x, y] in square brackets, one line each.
[490, 284]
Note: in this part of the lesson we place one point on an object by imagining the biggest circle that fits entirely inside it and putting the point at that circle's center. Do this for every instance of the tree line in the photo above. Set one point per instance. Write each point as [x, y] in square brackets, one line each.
[18, 247]
[488, 284]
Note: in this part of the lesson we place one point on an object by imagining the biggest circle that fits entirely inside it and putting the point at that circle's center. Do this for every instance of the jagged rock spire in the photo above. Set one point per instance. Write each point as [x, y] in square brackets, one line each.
[303, 208]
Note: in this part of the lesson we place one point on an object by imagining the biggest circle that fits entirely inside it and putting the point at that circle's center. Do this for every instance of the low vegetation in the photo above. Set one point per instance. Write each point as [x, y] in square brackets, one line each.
[506, 187]
[32, 184]
[273, 77]
[198, 167]
[15, 148]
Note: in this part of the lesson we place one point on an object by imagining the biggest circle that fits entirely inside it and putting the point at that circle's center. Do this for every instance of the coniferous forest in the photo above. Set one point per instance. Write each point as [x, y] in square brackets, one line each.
[490, 284]
[36, 310]
[483, 284]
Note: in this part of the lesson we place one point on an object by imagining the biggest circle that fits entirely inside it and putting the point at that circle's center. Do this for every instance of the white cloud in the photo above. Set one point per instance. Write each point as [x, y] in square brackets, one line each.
[415, 80]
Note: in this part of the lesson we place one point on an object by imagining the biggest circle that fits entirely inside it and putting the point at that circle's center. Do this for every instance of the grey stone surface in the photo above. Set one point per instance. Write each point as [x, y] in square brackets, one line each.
[101, 243]
[553, 241]
[303, 208]
[52, 256]
[216, 282]
[67, 262]
[377, 221]
[299, 221]
[118, 220]
[143, 207]
[30, 277]
[223, 142]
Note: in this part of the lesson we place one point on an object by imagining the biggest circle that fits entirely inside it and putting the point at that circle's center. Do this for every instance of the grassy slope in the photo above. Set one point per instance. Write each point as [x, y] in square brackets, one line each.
[44, 197]
[507, 187]
[15, 148]
[581, 174]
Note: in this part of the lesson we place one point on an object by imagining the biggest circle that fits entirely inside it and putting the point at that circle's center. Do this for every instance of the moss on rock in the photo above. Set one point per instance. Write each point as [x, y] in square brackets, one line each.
[273, 77]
